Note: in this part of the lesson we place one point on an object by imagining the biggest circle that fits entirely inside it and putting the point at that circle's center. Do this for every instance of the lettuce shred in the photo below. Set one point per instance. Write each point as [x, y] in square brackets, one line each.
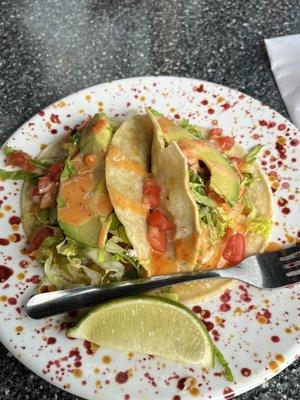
[196, 131]
[261, 226]
[221, 359]
[69, 170]
[18, 175]
[252, 156]
[211, 216]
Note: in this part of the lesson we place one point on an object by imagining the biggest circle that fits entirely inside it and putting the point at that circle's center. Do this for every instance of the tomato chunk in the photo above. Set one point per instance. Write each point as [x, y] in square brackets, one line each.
[157, 218]
[19, 158]
[151, 192]
[55, 171]
[38, 238]
[223, 142]
[216, 132]
[157, 239]
[235, 161]
[234, 251]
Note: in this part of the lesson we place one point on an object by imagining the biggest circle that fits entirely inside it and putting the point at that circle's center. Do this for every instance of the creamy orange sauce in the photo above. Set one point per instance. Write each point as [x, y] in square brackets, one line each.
[161, 264]
[116, 158]
[273, 246]
[104, 206]
[102, 236]
[165, 124]
[128, 204]
[273, 366]
[279, 358]
[185, 249]
[80, 201]
[100, 125]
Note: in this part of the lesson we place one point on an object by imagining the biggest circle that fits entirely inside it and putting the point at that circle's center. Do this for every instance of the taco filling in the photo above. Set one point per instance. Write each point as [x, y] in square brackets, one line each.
[149, 197]
[231, 197]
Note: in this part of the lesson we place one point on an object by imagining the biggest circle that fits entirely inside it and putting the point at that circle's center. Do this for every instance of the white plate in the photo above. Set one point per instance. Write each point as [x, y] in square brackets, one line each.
[258, 334]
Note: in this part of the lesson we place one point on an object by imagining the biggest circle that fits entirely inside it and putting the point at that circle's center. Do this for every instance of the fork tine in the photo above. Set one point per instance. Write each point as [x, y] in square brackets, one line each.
[293, 273]
[290, 256]
[279, 268]
[292, 265]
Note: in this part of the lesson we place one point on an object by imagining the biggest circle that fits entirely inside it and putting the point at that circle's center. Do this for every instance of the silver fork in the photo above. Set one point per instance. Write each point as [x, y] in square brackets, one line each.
[268, 270]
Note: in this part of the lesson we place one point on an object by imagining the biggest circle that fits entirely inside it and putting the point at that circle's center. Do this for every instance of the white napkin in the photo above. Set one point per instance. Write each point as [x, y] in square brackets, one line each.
[284, 55]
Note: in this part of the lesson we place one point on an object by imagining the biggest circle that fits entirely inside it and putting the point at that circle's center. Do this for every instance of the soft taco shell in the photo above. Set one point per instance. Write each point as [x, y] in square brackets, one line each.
[260, 195]
[127, 164]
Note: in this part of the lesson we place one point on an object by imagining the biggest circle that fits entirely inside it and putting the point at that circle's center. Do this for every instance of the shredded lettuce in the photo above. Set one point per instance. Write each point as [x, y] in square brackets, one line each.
[17, 175]
[154, 112]
[248, 179]
[205, 200]
[212, 219]
[111, 246]
[248, 206]
[7, 150]
[76, 138]
[60, 202]
[251, 157]
[43, 216]
[69, 170]
[227, 371]
[261, 226]
[42, 164]
[69, 248]
[196, 131]
[210, 214]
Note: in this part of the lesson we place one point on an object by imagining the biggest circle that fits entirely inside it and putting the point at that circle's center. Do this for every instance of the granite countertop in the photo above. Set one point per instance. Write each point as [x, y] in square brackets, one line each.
[49, 49]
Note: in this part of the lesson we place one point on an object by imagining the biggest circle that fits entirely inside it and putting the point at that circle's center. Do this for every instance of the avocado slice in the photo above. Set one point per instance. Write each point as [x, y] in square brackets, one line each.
[224, 180]
[83, 204]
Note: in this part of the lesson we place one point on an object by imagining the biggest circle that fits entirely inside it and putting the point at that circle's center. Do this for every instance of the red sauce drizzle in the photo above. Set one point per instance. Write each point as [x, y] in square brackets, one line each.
[121, 377]
[197, 309]
[14, 220]
[5, 273]
[246, 372]
[275, 339]
[51, 340]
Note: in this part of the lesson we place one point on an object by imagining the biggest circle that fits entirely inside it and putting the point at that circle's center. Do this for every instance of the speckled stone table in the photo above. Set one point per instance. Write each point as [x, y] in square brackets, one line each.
[49, 49]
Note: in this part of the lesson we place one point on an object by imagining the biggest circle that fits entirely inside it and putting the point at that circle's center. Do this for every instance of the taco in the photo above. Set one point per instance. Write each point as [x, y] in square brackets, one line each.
[150, 200]
[231, 197]
[66, 211]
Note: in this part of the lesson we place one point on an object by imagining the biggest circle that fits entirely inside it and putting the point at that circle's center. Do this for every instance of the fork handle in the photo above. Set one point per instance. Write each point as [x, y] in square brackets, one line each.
[54, 303]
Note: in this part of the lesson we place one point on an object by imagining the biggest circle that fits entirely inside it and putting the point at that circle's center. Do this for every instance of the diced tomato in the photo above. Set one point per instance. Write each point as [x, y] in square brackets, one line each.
[19, 158]
[55, 171]
[157, 218]
[38, 238]
[34, 191]
[44, 184]
[157, 239]
[234, 250]
[235, 161]
[223, 142]
[216, 132]
[151, 192]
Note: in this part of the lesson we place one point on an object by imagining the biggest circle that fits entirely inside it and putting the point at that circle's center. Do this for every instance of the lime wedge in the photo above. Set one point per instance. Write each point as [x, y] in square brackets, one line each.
[150, 325]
